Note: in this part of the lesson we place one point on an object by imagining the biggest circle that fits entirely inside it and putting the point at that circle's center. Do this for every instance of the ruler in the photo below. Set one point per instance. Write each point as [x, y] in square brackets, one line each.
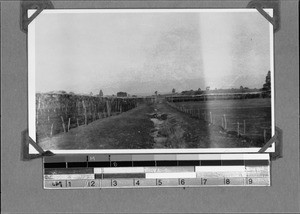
[161, 170]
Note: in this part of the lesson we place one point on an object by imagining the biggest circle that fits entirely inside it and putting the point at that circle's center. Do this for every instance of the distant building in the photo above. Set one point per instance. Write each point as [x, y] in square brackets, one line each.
[121, 94]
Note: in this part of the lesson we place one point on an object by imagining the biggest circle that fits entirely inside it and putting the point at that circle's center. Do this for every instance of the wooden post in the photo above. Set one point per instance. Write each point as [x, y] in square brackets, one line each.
[51, 132]
[39, 103]
[210, 117]
[222, 122]
[77, 122]
[265, 136]
[238, 128]
[225, 121]
[85, 116]
[37, 117]
[108, 106]
[244, 126]
[38, 110]
[69, 124]
[63, 123]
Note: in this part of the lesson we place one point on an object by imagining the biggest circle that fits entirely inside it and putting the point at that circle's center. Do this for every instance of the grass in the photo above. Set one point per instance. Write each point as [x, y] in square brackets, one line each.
[134, 129]
[256, 113]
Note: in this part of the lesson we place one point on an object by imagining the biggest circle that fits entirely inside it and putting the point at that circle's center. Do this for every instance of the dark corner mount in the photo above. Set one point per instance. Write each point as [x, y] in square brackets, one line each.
[277, 139]
[26, 140]
[274, 4]
[28, 4]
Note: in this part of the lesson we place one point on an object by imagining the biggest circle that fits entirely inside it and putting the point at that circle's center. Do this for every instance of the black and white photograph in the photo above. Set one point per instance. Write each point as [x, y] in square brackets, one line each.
[151, 80]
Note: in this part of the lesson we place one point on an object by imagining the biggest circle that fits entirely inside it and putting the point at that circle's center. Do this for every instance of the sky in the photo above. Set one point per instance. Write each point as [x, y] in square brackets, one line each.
[144, 52]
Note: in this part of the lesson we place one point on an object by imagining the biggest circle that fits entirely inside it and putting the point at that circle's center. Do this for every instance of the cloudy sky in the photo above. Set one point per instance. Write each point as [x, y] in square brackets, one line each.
[142, 52]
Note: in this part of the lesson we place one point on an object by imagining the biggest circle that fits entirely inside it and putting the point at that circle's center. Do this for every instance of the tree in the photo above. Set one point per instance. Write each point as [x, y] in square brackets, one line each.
[101, 93]
[241, 87]
[173, 91]
[207, 88]
[122, 94]
[155, 93]
[199, 89]
[267, 85]
[91, 93]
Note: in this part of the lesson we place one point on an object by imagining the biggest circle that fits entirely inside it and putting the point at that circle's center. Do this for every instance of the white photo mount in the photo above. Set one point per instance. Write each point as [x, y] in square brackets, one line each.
[32, 113]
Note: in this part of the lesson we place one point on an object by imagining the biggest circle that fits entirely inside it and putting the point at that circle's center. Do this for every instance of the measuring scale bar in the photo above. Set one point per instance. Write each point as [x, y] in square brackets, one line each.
[135, 177]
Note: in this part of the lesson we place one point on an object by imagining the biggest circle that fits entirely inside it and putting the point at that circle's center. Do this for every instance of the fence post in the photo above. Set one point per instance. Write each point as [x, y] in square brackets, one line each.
[108, 106]
[222, 122]
[210, 117]
[238, 128]
[244, 126]
[77, 122]
[265, 137]
[69, 124]
[51, 132]
[225, 121]
[85, 117]
[37, 116]
[63, 123]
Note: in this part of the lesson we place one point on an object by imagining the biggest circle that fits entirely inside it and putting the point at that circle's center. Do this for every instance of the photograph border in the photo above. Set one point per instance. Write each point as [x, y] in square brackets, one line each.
[31, 85]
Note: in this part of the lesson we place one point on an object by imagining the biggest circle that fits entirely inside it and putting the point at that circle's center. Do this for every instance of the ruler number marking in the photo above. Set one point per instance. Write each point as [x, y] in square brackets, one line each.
[159, 182]
[137, 182]
[114, 183]
[227, 181]
[250, 181]
[92, 183]
[181, 181]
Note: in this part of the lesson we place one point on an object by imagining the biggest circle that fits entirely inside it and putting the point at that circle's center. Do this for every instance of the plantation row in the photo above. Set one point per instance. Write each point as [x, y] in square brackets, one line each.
[57, 113]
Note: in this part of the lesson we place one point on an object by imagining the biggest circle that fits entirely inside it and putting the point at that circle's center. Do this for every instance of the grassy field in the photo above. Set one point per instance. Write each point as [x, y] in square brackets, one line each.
[155, 126]
[250, 116]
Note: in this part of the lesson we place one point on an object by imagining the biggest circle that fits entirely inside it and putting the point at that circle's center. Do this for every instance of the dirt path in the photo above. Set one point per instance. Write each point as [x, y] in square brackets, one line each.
[145, 127]
[174, 129]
